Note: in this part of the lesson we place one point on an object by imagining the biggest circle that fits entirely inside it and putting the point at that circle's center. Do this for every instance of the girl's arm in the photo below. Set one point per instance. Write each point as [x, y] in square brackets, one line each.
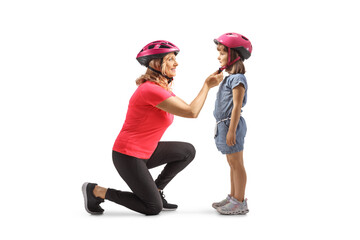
[177, 106]
[238, 96]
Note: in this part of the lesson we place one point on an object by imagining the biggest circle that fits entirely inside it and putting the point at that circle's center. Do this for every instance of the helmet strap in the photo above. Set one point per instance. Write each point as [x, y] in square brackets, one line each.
[229, 57]
[168, 78]
[228, 64]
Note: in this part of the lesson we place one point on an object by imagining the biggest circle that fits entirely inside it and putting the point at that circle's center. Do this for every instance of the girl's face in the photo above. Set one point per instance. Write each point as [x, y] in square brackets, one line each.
[170, 65]
[223, 57]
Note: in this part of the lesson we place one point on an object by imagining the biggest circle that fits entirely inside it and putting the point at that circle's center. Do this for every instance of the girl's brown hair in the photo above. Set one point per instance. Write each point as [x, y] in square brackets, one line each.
[155, 77]
[238, 66]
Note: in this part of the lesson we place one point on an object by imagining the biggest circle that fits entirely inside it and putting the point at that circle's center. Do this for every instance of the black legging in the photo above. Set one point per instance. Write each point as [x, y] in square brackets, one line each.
[145, 197]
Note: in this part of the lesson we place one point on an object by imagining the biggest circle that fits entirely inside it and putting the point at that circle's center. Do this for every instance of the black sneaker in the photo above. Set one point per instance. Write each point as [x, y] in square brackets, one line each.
[167, 206]
[92, 203]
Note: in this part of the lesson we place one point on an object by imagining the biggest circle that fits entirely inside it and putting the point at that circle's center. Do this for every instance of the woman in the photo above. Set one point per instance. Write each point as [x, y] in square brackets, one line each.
[137, 148]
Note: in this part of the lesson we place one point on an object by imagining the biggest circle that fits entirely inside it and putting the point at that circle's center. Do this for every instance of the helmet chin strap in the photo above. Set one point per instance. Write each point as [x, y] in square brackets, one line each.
[168, 78]
[228, 62]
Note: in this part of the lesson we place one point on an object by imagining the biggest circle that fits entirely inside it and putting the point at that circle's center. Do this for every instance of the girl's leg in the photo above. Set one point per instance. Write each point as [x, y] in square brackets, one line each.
[144, 197]
[239, 174]
[232, 189]
[176, 156]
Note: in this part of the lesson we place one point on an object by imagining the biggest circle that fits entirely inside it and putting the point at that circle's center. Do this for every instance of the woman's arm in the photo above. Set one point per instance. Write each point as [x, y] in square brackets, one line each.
[238, 96]
[177, 106]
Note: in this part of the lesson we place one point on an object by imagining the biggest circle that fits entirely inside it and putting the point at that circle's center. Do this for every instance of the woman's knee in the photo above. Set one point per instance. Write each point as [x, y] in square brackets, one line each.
[154, 209]
[190, 152]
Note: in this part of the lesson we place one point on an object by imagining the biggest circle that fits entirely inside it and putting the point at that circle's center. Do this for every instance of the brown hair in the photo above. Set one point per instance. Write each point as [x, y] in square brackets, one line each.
[238, 66]
[154, 76]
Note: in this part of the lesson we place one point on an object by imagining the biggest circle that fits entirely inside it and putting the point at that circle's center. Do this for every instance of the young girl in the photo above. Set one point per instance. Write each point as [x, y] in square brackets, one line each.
[230, 128]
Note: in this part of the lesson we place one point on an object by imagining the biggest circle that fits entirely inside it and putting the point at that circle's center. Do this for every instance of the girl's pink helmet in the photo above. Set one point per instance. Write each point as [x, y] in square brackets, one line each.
[237, 42]
[156, 49]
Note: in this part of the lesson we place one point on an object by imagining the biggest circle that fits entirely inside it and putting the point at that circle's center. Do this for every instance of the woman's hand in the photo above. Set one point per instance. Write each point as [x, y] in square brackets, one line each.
[177, 106]
[214, 79]
[231, 138]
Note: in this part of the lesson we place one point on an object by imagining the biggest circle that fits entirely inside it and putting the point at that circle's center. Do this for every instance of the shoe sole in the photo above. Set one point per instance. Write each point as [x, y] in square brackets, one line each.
[85, 200]
[169, 209]
[234, 213]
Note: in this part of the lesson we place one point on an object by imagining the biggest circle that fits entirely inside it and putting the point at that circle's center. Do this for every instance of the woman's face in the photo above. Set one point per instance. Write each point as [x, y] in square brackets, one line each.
[223, 57]
[170, 65]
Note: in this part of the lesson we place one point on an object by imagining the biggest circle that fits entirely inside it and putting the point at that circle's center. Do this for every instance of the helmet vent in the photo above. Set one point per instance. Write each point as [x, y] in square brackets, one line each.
[245, 38]
[164, 46]
[151, 46]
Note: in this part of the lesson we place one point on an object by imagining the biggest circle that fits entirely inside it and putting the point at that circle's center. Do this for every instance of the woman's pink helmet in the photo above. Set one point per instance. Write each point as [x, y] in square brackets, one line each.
[156, 49]
[237, 42]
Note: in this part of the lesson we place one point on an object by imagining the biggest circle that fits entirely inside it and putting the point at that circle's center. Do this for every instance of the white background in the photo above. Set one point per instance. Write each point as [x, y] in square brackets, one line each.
[68, 69]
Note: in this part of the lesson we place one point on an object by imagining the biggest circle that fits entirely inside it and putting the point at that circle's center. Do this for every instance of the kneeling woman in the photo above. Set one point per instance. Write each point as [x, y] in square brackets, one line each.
[137, 148]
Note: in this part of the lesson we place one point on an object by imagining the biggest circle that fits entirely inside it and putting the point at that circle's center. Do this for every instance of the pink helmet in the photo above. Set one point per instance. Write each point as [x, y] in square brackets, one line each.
[235, 41]
[156, 49]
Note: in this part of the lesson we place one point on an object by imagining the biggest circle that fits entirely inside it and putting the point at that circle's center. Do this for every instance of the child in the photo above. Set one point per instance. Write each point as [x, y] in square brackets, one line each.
[230, 128]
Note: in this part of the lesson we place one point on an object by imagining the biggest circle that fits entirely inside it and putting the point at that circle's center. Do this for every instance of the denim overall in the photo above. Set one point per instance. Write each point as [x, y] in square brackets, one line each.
[222, 114]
